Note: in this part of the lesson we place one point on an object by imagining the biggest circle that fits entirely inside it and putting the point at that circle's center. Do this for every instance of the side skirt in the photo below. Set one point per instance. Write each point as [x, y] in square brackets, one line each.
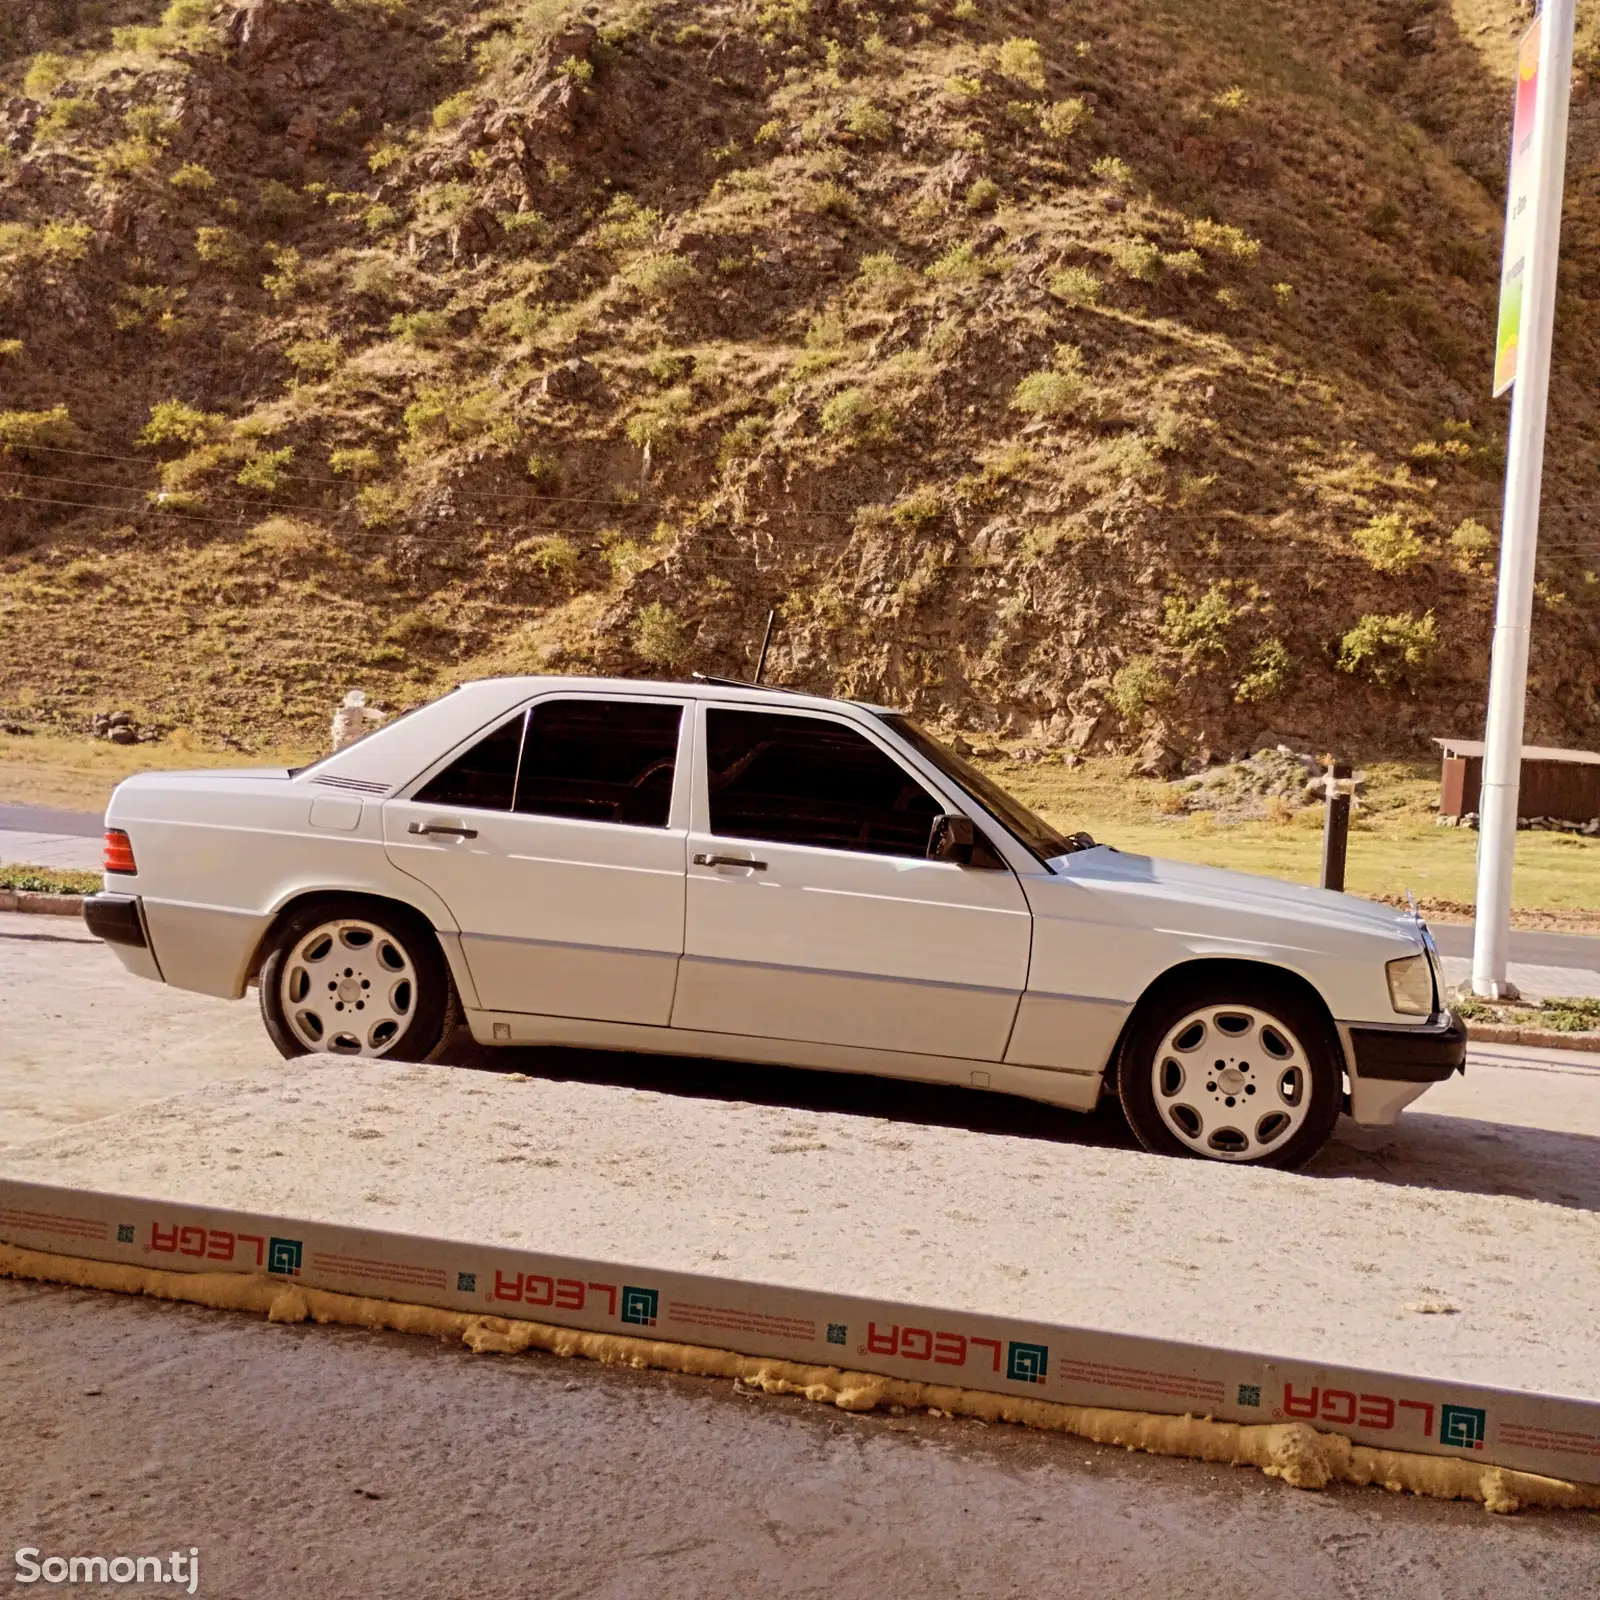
[1072, 1090]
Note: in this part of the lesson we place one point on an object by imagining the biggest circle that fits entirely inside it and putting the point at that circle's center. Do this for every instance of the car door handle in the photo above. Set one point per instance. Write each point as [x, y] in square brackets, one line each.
[702, 860]
[442, 827]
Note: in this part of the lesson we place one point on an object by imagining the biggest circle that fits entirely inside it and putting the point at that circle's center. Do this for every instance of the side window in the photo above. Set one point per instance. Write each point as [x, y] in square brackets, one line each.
[482, 779]
[802, 780]
[600, 761]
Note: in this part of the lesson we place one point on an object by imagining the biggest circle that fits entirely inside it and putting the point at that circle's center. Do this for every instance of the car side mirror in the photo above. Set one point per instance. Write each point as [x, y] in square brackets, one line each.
[954, 838]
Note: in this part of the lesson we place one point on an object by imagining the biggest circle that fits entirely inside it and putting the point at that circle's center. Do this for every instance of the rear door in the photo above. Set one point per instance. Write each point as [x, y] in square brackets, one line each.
[813, 911]
[557, 840]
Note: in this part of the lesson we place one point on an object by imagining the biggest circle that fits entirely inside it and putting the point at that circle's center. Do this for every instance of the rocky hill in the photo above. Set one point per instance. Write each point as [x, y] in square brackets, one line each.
[1109, 374]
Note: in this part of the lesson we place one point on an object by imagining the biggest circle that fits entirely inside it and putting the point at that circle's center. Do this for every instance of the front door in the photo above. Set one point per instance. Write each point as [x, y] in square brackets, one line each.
[553, 841]
[813, 911]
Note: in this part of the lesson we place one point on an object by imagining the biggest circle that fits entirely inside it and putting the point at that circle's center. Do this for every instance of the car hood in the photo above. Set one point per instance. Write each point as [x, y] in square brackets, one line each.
[1207, 898]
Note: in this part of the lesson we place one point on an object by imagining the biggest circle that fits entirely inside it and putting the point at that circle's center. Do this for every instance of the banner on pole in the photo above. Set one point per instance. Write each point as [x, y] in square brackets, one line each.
[1519, 211]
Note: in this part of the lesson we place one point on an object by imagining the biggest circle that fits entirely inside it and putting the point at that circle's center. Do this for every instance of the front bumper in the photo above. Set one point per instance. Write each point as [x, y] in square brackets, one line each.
[1428, 1054]
[115, 918]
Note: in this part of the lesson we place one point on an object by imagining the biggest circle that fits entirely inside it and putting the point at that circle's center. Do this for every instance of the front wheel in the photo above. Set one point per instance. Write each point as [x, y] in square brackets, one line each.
[1232, 1070]
[357, 980]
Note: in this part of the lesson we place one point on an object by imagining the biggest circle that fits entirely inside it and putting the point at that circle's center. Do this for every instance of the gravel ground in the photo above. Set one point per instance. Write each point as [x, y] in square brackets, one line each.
[353, 1466]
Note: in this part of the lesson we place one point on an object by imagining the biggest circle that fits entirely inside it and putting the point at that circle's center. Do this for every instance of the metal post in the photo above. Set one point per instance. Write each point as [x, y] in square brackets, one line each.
[1335, 826]
[1508, 670]
[766, 639]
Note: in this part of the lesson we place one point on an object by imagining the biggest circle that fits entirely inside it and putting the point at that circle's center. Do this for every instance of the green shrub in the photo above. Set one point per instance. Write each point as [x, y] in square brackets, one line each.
[1055, 392]
[883, 281]
[626, 225]
[920, 507]
[277, 204]
[867, 121]
[1201, 628]
[265, 469]
[524, 229]
[1022, 61]
[1389, 543]
[47, 880]
[961, 265]
[22, 431]
[174, 422]
[660, 417]
[1390, 650]
[314, 358]
[380, 503]
[743, 441]
[1231, 99]
[1139, 259]
[283, 282]
[1183, 263]
[45, 72]
[456, 109]
[424, 329]
[1270, 671]
[851, 412]
[1223, 239]
[983, 195]
[660, 636]
[355, 461]
[222, 247]
[830, 199]
[555, 557]
[1076, 285]
[62, 117]
[1471, 540]
[1136, 687]
[1064, 118]
[1113, 171]
[659, 277]
[192, 178]
[380, 219]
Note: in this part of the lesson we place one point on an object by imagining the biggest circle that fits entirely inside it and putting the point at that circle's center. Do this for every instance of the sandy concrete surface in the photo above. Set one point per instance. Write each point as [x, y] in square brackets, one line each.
[1278, 1263]
[354, 1466]
[82, 1038]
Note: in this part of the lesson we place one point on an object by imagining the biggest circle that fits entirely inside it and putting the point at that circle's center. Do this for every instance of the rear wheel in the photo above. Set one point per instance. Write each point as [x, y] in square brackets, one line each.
[357, 980]
[1233, 1070]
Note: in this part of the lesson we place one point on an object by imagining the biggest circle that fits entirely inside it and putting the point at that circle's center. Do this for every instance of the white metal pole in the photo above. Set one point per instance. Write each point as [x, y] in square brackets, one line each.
[1519, 528]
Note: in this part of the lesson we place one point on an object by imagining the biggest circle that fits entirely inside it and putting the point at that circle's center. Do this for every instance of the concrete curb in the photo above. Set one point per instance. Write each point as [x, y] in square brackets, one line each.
[1544, 1038]
[49, 905]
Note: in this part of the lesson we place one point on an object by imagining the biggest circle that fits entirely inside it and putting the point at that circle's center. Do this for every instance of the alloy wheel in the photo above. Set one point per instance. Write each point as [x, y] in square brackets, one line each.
[348, 987]
[1231, 1082]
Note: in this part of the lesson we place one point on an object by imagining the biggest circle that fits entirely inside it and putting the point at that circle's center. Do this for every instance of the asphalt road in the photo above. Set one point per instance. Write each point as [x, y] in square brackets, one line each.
[337, 1463]
[1528, 946]
[48, 819]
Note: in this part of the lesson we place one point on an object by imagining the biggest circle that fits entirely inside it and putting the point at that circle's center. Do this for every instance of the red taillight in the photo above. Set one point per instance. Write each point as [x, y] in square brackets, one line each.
[119, 852]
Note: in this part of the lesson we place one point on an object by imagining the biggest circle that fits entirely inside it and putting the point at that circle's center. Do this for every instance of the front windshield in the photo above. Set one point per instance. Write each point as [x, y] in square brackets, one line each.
[1032, 831]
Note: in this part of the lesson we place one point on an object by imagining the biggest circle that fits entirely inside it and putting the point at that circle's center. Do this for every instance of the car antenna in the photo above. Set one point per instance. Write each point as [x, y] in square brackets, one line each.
[761, 667]
[766, 639]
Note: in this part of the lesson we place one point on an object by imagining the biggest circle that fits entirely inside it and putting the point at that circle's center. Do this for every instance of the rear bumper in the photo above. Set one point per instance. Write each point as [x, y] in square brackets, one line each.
[1428, 1054]
[115, 918]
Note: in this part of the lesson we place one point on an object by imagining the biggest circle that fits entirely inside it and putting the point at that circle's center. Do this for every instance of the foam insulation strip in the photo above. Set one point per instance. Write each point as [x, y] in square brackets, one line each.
[1302, 1456]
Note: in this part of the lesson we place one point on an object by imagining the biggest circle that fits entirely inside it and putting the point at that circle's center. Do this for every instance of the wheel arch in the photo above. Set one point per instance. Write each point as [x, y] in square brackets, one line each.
[308, 899]
[1221, 967]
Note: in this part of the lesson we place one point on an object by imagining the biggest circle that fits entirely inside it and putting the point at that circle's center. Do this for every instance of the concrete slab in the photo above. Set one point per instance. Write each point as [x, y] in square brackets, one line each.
[1134, 1280]
[1536, 982]
[65, 851]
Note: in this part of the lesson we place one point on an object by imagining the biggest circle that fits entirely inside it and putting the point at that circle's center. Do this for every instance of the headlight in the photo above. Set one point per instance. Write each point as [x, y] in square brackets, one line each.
[1411, 985]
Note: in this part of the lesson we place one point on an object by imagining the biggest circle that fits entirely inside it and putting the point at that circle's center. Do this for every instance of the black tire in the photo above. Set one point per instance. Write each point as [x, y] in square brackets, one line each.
[1156, 1095]
[420, 1024]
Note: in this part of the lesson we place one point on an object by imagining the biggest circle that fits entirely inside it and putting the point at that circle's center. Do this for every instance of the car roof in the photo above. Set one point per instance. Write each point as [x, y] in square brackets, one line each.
[699, 688]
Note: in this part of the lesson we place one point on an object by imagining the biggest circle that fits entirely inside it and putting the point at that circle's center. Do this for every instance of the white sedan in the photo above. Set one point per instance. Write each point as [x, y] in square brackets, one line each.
[715, 869]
